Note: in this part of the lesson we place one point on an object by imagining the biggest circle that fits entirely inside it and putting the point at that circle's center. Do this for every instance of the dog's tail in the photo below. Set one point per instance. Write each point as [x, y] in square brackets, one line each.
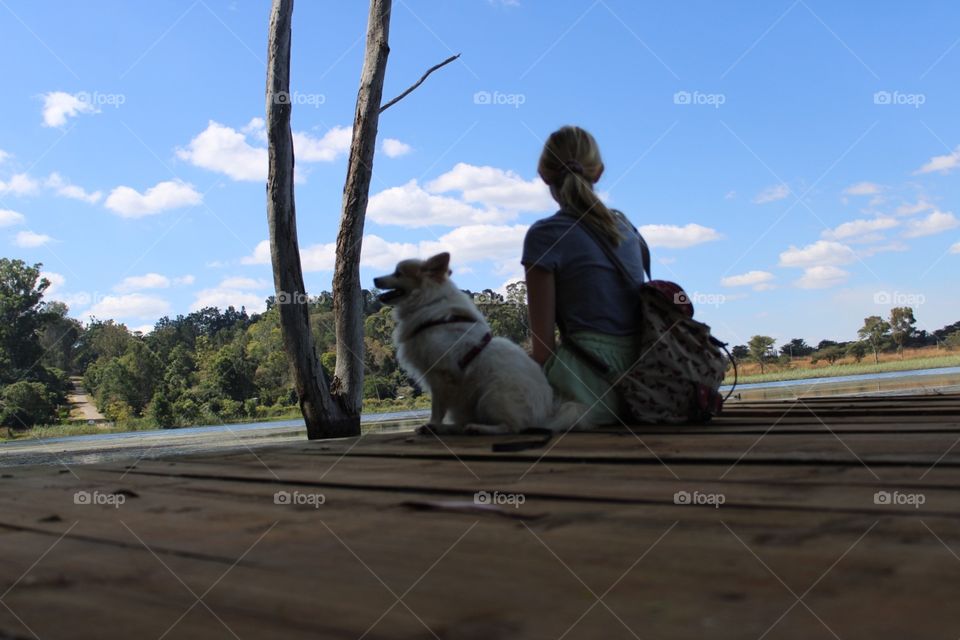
[569, 416]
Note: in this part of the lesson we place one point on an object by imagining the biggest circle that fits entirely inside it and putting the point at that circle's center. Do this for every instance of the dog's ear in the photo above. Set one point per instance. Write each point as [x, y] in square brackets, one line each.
[437, 267]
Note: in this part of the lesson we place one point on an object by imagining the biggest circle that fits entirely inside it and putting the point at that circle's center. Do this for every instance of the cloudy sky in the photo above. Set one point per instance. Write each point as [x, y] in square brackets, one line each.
[793, 163]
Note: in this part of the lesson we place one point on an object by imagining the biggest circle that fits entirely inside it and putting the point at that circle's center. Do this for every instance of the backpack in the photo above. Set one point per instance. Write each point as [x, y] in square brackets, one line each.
[678, 374]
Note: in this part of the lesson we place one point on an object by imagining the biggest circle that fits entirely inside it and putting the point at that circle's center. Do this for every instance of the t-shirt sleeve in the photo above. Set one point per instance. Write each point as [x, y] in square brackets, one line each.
[540, 248]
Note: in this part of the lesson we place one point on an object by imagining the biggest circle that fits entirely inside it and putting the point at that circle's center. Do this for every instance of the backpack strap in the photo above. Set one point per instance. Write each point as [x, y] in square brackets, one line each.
[615, 259]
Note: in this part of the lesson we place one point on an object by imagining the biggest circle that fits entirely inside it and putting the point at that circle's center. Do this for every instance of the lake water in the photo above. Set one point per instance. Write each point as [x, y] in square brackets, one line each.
[132, 446]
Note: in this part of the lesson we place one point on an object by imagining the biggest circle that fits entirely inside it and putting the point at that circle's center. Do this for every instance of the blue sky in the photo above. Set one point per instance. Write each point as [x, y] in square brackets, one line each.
[793, 163]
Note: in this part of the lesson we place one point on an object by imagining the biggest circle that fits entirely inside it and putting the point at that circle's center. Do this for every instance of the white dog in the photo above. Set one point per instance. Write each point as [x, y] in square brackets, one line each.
[484, 384]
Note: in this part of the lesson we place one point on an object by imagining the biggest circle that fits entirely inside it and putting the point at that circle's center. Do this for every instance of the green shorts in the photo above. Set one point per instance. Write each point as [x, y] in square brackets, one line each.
[574, 379]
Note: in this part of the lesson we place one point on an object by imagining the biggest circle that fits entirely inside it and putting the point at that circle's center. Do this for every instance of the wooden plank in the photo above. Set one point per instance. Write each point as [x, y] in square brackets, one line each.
[501, 578]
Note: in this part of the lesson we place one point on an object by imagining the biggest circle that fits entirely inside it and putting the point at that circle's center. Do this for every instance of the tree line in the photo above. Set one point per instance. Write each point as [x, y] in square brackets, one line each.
[205, 367]
[876, 336]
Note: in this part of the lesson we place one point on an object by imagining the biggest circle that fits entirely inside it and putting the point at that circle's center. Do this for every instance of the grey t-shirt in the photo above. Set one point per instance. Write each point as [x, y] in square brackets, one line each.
[592, 295]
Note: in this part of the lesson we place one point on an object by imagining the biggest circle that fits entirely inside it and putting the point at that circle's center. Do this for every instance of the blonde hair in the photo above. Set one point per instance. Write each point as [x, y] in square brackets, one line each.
[570, 163]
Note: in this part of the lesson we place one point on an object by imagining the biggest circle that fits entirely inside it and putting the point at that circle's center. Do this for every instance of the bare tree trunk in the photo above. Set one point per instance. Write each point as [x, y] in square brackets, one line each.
[347, 290]
[325, 416]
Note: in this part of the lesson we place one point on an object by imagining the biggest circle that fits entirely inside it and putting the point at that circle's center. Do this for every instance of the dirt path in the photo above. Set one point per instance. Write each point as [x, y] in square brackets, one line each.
[81, 405]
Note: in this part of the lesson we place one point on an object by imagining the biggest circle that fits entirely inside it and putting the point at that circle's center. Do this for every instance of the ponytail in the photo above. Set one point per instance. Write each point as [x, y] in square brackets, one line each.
[570, 163]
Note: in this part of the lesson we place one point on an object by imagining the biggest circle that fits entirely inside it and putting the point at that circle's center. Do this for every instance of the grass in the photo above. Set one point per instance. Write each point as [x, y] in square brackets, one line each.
[82, 428]
[845, 368]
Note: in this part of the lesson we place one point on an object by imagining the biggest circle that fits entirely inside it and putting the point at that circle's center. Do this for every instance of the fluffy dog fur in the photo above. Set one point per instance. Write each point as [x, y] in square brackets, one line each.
[501, 390]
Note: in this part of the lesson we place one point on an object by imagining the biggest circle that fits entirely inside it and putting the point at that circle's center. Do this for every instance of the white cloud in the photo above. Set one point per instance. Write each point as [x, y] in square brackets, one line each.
[5, 155]
[882, 248]
[410, 205]
[753, 279]
[676, 237]
[260, 255]
[467, 194]
[920, 206]
[492, 187]
[936, 222]
[59, 105]
[501, 244]
[225, 150]
[943, 164]
[772, 194]
[134, 305]
[146, 281]
[130, 203]
[234, 292]
[333, 144]
[395, 148]
[56, 280]
[820, 253]
[863, 189]
[955, 248]
[19, 185]
[63, 188]
[150, 281]
[8, 218]
[730, 195]
[822, 277]
[860, 230]
[29, 239]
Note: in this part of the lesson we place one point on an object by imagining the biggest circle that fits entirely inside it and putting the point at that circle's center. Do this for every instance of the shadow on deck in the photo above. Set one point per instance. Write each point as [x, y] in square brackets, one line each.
[817, 518]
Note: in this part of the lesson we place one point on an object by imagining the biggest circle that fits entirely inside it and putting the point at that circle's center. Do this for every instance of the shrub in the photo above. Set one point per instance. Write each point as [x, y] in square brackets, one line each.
[24, 404]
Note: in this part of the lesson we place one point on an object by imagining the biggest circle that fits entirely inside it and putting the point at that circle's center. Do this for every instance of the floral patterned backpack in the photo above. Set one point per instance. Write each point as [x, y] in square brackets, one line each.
[677, 377]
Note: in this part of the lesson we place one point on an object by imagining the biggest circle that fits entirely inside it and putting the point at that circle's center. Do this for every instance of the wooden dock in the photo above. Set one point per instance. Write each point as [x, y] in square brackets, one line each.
[818, 518]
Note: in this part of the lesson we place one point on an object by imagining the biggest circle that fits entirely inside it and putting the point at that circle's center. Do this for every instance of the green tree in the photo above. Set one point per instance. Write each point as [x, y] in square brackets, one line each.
[857, 350]
[24, 404]
[796, 348]
[160, 410]
[760, 347]
[873, 331]
[901, 326]
[22, 314]
[58, 337]
[740, 352]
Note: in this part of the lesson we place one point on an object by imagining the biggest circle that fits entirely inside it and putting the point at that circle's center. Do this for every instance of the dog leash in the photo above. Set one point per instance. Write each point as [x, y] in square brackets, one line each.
[474, 351]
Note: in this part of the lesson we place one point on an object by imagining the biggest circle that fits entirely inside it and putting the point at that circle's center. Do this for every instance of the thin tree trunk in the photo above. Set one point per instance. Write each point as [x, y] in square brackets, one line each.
[347, 290]
[325, 416]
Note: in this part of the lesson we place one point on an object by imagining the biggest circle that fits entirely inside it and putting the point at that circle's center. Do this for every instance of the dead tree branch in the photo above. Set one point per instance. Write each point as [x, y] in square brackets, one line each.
[418, 82]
